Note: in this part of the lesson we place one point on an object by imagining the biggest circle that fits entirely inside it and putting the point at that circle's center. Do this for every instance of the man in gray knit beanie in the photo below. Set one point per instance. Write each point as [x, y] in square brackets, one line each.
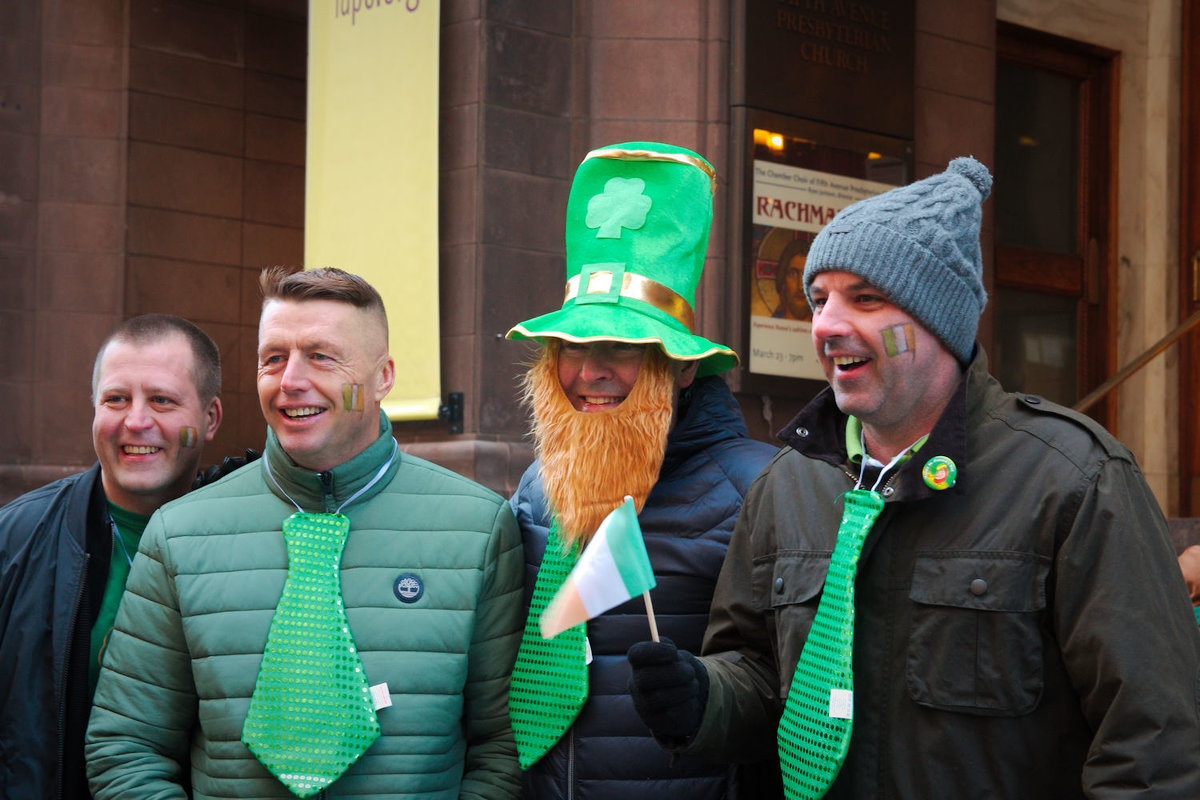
[938, 588]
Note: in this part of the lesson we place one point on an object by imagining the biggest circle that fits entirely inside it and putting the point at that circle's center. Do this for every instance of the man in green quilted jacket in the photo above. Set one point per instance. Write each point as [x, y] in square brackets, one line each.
[338, 620]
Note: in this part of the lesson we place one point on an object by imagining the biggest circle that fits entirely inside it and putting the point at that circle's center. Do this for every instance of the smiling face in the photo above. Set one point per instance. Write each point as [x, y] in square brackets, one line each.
[885, 368]
[591, 459]
[145, 399]
[310, 355]
[597, 376]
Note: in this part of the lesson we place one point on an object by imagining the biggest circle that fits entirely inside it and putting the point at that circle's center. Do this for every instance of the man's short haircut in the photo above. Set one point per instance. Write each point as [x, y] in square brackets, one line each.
[149, 328]
[326, 283]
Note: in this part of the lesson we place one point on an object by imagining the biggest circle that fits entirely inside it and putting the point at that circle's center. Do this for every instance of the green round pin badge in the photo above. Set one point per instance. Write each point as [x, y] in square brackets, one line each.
[939, 473]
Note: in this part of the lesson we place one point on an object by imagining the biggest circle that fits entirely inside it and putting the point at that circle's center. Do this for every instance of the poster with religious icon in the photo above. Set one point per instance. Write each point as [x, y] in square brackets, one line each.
[791, 202]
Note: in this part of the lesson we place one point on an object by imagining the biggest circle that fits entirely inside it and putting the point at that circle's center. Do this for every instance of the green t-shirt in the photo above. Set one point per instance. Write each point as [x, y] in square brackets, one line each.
[129, 527]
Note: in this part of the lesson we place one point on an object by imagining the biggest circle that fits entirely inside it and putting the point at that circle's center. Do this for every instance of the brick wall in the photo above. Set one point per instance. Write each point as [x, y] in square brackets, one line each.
[62, 216]
[151, 159]
[216, 174]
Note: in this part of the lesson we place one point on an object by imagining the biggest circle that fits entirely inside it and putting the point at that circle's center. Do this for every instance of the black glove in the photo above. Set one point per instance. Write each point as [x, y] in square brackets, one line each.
[227, 465]
[669, 688]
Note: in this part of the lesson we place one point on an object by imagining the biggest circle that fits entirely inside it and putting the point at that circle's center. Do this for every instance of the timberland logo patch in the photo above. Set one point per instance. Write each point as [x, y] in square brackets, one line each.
[408, 588]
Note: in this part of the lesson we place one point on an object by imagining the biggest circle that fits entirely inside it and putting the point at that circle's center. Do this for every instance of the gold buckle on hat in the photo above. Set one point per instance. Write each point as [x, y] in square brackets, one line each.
[637, 287]
[654, 155]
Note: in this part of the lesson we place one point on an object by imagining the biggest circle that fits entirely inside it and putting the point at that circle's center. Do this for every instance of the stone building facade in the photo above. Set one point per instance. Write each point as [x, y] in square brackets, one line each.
[152, 159]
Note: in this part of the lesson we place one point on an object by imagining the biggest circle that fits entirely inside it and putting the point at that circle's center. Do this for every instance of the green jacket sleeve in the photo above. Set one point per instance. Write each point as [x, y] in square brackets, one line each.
[492, 772]
[145, 703]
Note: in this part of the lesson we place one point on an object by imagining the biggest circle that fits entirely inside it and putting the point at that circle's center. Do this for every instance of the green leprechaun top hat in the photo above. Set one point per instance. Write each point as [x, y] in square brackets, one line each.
[637, 230]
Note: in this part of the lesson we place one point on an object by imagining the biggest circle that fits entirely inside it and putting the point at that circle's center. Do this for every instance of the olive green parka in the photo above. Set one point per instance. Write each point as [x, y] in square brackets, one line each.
[1025, 633]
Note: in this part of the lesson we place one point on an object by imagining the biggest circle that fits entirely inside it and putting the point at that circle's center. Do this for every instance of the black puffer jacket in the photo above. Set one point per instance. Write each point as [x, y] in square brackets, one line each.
[688, 518]
[55, 544]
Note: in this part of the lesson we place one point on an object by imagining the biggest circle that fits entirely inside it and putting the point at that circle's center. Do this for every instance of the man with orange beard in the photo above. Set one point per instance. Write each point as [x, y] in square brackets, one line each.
[626, 400]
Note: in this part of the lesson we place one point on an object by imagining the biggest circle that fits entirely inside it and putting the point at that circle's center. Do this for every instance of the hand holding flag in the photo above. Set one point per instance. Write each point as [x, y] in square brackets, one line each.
[612, 569]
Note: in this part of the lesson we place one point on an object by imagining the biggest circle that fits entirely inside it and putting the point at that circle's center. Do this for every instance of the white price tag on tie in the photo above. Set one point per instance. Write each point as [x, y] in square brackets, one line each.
[380, 696]
[841, 704]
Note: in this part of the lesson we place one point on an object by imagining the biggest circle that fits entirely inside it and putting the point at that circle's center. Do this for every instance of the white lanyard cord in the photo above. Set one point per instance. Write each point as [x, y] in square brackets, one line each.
[373, 481]
[351, 498]
[116, 534]
[862, 471]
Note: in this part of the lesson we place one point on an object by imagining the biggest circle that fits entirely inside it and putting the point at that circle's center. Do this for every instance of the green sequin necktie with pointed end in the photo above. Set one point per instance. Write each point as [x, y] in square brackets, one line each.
[550, 680]
[311, 715]
[814, 732]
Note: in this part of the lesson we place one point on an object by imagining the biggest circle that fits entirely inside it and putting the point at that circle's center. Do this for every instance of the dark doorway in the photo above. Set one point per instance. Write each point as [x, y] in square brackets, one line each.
[1189, 268]
[1054, 298]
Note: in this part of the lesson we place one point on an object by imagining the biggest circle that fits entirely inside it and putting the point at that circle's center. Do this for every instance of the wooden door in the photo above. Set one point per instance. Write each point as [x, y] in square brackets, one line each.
[1189, 268]
[1054, 301]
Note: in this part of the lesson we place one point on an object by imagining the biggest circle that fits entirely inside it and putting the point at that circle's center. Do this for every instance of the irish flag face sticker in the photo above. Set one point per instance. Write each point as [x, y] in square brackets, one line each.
[188, 436]
[613, 569]
[352, 396]
[899, 339]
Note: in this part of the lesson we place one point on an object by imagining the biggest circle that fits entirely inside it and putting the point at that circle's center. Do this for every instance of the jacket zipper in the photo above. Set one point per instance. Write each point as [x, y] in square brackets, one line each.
[65, 688]
[327, 490]
[886, 484]
[571, 763]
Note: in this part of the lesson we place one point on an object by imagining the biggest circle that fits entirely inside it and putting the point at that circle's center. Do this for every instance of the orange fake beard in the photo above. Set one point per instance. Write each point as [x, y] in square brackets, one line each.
[590, 461]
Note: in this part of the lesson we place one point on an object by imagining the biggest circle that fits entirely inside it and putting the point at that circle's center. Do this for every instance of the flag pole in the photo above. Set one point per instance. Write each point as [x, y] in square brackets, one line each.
[650, 615]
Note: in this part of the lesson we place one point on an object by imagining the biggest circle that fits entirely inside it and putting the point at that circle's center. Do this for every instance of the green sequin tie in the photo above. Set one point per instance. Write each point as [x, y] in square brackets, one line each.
[814, 732]
[549, 681]
[311, 715]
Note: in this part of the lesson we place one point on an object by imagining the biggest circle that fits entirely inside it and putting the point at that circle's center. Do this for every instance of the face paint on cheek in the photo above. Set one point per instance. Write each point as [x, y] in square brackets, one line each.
[899, 339]
[352, 396]
[188, 436]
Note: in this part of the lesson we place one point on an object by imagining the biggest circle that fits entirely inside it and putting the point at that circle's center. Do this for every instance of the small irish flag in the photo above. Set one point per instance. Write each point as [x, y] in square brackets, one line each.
[613, 568]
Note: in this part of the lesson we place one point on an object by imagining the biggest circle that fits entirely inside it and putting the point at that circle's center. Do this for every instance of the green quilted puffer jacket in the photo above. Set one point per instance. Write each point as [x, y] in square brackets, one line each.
[189, 637]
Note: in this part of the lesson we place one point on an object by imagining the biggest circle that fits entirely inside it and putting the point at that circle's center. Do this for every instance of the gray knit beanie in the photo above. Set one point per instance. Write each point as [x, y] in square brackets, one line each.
[919, 245]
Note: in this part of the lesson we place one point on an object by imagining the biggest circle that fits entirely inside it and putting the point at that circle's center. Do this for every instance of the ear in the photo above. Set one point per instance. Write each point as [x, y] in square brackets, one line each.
[386, 378]
[686, 373]
[214, 415]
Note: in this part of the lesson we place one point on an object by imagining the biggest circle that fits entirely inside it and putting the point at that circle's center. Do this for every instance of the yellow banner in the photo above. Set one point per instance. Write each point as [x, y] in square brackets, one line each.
[371, 176]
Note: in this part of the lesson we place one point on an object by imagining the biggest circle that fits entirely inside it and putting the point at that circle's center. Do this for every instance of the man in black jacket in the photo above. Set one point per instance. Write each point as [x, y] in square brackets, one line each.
[939, 588]
[66, 548]
[627, 400]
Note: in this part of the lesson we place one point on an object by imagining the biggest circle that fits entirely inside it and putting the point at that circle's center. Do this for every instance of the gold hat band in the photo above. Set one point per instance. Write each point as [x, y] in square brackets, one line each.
[654, 155]
[639, 287]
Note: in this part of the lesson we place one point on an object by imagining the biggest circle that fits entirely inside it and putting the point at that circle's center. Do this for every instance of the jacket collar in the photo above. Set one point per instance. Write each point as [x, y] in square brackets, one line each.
[707, 414]
[327, 491]
[819, 432]
[87, 511]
